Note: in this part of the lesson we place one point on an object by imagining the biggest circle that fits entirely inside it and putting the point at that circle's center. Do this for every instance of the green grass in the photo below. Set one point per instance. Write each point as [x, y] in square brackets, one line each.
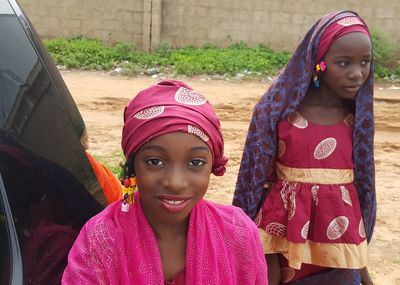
[112, 162]
[84, 53]
[90, 54]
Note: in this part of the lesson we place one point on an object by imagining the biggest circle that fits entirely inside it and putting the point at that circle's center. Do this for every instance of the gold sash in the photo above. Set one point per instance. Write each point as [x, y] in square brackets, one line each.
[315, 175]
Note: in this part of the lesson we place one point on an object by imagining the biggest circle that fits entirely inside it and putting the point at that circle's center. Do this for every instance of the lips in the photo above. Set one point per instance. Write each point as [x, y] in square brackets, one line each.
[352, 88]
[174, 204]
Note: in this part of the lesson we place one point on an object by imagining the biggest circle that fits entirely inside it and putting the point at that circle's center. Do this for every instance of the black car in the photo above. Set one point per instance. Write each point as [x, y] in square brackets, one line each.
[48, 189]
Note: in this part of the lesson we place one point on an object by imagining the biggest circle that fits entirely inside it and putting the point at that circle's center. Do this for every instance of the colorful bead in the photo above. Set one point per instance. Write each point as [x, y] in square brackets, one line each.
[126, 182]
[323, 65]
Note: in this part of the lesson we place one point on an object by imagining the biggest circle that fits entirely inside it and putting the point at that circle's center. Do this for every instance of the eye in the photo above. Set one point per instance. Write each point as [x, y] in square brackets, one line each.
[365, 62]
[154, 161]
[343, 63]
[197, 162]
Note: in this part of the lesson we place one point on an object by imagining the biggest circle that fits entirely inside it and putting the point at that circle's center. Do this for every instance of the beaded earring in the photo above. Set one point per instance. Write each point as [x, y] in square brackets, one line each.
[128, 190]
[319, 68]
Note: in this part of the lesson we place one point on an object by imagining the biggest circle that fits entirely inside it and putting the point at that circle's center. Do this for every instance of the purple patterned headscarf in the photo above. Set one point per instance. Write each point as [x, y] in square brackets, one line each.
[172, 106]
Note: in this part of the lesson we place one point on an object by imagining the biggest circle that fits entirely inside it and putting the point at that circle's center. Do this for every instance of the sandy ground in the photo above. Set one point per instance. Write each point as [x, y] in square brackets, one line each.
[101, 99]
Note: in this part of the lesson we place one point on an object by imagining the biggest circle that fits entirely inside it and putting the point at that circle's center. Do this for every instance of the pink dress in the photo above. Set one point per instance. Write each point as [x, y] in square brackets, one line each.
[312, 214]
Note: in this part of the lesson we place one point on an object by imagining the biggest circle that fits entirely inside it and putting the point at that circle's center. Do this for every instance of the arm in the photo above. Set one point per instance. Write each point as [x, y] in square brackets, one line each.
[365, 278]
[274, 277]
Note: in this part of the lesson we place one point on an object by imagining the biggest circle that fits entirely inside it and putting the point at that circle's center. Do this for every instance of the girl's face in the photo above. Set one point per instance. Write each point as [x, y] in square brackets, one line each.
[172, 172]
[347, 65]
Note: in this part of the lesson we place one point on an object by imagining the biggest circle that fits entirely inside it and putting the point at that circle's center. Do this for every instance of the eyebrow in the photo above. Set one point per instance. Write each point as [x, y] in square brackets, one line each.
[150, 146]
[197, 148]
[348, 56]
[201, 148]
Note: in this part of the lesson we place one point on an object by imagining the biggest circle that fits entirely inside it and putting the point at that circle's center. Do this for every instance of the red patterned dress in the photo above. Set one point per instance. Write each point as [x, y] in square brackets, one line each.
[312, 215]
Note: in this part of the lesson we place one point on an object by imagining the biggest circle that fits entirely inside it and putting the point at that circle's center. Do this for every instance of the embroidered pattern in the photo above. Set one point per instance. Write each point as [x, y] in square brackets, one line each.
[297, 120]
[196, 131]
[276, 229]
[314, 193]
[337, 227]
[325, 148]
[286, 192]
[291, 205]
[345, 195]
[350, 21]
[189, 97]
[304, 230]
[149, 113]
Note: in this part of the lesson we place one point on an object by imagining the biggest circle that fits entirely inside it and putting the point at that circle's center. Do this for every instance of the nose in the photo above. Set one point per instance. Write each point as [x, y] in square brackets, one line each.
[176, 179]
[356, 73]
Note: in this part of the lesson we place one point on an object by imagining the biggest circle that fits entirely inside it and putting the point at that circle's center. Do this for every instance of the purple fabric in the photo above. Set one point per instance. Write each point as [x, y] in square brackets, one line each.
[172, 106]
[257, 170]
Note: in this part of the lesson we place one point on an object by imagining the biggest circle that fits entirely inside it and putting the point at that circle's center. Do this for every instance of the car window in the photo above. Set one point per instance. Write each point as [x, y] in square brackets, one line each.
[36, 108]
[10, 257]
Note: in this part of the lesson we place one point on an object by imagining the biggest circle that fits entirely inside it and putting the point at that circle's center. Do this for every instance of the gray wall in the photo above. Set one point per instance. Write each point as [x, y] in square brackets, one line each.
[278, 23]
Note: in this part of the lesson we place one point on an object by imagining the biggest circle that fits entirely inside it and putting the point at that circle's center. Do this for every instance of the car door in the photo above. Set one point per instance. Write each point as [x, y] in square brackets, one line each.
[49, 189]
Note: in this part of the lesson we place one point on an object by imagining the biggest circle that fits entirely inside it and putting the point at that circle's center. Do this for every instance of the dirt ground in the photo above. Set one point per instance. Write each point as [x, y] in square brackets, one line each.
[101, 99]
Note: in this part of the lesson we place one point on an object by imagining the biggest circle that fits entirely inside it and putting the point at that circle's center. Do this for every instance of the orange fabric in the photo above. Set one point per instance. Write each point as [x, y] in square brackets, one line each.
[107, 180]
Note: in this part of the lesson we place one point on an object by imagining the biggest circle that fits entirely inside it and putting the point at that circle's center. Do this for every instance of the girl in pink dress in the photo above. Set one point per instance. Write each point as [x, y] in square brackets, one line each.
[165, 233]
[311, 219]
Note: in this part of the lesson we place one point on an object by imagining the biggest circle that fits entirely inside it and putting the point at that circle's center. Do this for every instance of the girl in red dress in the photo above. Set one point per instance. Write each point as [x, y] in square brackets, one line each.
[311, 219]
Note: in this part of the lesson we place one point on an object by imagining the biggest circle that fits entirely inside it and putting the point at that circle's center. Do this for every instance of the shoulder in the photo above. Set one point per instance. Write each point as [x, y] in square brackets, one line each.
[231, 216]
[104, 223]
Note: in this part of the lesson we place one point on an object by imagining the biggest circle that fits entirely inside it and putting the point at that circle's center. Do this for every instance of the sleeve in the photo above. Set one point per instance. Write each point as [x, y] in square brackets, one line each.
[84, 265]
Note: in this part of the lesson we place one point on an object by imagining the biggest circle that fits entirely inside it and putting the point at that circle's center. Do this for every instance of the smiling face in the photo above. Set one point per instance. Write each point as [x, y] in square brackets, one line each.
[172, 172]
[347, 65]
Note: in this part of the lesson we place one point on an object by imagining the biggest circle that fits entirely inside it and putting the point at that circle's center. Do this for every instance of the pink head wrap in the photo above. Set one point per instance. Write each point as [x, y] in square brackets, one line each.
[338, 29]
[172, 106]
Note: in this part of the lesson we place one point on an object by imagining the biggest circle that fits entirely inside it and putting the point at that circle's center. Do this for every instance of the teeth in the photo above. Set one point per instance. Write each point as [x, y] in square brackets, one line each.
[171, 202]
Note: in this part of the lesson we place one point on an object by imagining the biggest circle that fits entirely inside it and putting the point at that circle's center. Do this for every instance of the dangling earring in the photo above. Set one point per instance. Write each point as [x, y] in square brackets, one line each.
[319, 68]
[128, 190]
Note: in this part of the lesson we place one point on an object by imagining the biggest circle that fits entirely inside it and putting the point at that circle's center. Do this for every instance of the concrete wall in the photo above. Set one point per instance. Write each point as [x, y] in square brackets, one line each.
[280, 24]
[108, 20]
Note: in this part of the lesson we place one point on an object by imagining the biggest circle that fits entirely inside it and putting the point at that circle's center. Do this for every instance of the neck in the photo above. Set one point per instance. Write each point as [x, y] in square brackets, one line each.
[166, 231]
[324, 98]
[163, 229]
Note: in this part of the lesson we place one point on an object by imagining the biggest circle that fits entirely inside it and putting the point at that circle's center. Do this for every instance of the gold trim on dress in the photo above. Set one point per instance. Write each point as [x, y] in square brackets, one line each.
[332, 255]
[315, 175]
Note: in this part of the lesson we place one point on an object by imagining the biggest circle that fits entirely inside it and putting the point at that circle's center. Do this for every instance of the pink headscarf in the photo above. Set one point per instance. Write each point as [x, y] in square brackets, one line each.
[338, 29]
[172, 106]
